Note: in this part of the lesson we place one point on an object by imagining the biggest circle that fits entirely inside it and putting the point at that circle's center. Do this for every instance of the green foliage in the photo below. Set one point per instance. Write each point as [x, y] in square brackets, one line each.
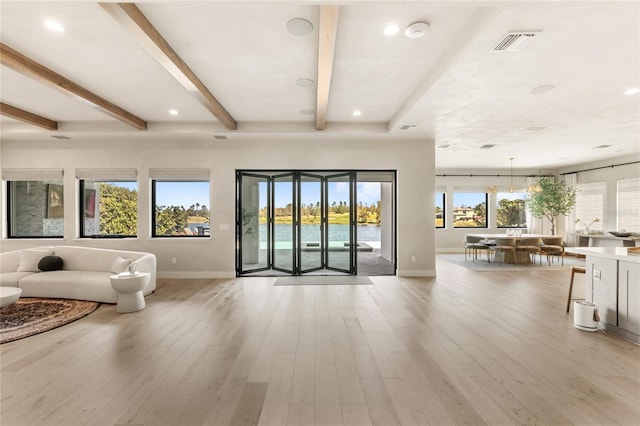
[480, 215]
[551, 198]
[118, 210]
[510, 213]
[171, 220]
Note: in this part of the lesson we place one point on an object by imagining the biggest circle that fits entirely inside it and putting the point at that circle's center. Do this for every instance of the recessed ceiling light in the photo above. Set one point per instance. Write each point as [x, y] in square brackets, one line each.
[443, 146]
[307, 112]
[542, 89]
[305, 82]
[487, 146]
[632, 91]
[54, 26]
[357, 113]
[601, 146]
[391, 29]
[416, 30]
[299, 26]
[173, 111]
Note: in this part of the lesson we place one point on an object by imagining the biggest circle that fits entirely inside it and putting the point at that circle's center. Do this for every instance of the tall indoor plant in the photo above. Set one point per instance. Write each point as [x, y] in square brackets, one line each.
[549, 198]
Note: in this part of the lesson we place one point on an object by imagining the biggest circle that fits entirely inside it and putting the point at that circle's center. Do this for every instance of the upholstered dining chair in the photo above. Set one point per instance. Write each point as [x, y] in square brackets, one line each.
[532, 245]
[553, 246]
[473, 245]
[505, 246]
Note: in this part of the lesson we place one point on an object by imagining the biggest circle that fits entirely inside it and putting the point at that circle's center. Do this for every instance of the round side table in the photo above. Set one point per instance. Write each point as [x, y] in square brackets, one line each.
[129, 288]
[9, 295]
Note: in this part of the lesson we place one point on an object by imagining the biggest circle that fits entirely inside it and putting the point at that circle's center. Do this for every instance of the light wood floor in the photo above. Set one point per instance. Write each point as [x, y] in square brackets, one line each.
[466, 348]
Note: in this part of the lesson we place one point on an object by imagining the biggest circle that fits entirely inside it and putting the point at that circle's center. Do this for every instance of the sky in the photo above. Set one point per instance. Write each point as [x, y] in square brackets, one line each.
[183, 194]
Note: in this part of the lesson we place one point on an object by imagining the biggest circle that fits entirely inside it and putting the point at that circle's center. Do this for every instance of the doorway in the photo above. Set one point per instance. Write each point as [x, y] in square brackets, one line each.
[307, 222]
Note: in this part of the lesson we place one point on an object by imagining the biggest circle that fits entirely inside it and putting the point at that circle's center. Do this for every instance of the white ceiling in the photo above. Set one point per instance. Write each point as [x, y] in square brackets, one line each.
[446, 83]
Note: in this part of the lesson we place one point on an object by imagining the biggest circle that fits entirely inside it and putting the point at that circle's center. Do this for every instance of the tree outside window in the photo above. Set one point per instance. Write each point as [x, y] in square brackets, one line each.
[510, 210]
[469, 210]
[180, 209]
[109, 208]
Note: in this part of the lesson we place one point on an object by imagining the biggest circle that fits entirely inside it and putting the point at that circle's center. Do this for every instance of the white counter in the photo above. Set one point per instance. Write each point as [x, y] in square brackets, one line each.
[616, 253]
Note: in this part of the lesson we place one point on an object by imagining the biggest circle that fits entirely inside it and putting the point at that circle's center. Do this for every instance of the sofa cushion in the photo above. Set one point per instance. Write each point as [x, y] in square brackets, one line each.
[81, 285]
[30, 258]
[10, 279]
[50, 263]
[120, 265]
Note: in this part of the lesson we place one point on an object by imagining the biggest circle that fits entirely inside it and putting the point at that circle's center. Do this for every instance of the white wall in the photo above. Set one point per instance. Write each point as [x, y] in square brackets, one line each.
[215, 257]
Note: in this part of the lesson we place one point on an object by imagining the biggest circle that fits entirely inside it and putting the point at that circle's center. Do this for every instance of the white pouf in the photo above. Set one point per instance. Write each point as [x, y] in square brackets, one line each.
[129, 288]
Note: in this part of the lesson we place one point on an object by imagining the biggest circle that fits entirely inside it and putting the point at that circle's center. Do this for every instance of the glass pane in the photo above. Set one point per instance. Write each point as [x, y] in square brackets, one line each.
[254, 223]
[110, 208]
[439, 201]
[469, 210]
[310, 223]
[36, 209]
[283, 223]
[181, 209]
[338, 223]
[510, 210]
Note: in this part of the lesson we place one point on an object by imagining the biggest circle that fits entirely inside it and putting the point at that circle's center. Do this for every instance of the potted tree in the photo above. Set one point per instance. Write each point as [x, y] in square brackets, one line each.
[549, 198]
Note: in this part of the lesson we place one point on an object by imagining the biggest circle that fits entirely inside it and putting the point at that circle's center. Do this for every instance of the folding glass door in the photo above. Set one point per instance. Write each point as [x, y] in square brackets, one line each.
[296, 222]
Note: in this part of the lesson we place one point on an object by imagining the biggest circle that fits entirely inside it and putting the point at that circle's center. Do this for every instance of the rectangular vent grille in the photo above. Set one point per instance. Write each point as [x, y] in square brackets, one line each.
[221, 137]
[514, 41]
[60, 137]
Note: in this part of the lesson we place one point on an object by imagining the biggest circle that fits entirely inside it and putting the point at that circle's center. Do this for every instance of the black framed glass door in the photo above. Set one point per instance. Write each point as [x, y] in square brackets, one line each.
[296, 222]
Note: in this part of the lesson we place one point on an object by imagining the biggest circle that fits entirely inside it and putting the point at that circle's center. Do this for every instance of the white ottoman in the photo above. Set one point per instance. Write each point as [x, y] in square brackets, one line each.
[129, 288]
[9, 295]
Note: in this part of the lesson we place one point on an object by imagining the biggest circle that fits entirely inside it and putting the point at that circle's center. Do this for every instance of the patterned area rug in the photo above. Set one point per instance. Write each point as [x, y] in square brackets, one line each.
[33, 315]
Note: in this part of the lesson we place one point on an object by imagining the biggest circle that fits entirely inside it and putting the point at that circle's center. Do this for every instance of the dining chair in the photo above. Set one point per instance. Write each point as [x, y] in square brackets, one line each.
[553, 246]
[532, 245]
[505, 246]
[473, 245]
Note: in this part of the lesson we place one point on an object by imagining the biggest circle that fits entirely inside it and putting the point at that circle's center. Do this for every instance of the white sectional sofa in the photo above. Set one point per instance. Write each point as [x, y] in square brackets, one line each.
[85, 274]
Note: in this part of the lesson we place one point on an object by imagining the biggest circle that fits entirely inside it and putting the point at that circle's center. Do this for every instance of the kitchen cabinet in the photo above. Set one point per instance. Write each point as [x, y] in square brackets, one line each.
[629, 296]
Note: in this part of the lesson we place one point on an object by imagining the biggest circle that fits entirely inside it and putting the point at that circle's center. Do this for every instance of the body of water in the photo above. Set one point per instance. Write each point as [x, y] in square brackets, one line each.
[311, 233]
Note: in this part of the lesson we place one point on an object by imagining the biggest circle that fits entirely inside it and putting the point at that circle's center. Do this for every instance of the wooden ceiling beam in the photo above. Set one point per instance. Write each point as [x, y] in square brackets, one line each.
[326, 47]
[20, 63]
[132, 18]
[27, 117]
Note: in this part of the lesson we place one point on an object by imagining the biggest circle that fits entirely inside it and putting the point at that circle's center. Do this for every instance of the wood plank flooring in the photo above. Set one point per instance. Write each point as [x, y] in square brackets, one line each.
[470, 348]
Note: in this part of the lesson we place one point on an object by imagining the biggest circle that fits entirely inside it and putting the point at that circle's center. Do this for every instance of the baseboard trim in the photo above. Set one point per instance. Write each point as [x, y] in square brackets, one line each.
[416, 273]
[196, 274]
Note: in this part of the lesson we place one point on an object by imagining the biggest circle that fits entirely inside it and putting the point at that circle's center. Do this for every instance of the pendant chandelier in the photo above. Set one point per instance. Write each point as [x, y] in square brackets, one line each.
[494, 189]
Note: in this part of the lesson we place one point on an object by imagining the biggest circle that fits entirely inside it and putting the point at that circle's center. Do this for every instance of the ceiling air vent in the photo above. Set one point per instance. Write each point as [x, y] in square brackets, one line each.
[60, 137]
[514, 41]
[221, 137]
[487, 146]
[407, 126]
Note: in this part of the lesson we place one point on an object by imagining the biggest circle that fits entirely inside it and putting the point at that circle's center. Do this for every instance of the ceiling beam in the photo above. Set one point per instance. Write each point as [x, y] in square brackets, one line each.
[17, 61]
[27, 117]
[326, 47]
[132, 18]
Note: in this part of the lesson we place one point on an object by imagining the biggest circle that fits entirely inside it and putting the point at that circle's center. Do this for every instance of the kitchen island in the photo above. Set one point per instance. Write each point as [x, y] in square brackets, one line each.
[612, 283]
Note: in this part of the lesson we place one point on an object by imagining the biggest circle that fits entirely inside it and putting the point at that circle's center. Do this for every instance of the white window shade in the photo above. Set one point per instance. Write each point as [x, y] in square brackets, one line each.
[32, 174]
[179, 174]
[110, 175]
[629, 205]
[590, 205]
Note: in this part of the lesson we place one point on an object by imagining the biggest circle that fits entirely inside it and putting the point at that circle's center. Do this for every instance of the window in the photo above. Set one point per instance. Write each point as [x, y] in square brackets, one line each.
[440, 209]
[36, 208]
[629, 205]
[108, 208]
[510, 210]
[180, 208]
[469, 210]
[590, 206]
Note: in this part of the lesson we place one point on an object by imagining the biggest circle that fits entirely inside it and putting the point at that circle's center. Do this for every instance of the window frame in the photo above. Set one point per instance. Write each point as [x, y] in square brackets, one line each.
[10, 193]
[81, 198]
[633, 183]
[444, 210]
[153, 208]
[486, 209]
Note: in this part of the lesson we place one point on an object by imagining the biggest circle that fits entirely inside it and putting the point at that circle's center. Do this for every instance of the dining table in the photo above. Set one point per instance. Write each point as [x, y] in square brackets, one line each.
[519, 256]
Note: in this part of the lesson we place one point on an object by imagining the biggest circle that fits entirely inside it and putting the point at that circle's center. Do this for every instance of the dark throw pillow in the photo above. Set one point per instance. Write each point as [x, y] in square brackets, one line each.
[50, 263]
